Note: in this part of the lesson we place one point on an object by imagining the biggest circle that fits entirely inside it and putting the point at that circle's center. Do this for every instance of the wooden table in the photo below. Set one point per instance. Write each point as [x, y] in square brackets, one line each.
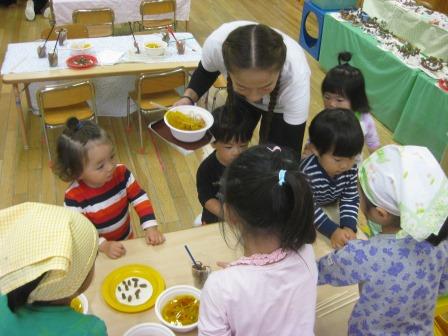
[207, 245]
[15, 76]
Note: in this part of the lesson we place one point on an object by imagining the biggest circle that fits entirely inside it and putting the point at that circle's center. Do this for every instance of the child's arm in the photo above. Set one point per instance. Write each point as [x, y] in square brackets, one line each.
[323, 223]
[371, 138]
[349, 202]
[142, 205]
[346, 266]
[214, 206]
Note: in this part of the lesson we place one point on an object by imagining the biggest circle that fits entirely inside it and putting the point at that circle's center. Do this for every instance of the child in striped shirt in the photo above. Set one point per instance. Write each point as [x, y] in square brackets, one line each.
[101, 189]
[336, 139]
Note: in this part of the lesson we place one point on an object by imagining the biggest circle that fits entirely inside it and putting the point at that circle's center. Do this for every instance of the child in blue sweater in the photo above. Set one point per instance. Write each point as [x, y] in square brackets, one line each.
[336, 139]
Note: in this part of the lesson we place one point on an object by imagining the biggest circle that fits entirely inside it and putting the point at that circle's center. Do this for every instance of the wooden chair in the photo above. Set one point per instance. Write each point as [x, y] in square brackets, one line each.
[155, 91]
[444, 161]
[158, 7]
[220, 84]
[74, 31]
[99, 21]
[59, 102]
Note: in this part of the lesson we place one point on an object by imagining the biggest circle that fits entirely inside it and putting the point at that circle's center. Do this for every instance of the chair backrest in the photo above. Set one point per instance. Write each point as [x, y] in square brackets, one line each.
[99, 21]
[156, 82]
[60, 95]
[158, 7]
[74, 31]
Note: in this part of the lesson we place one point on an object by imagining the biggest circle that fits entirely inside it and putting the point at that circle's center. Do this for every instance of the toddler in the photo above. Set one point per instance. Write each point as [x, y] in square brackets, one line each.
[268, 205]
[335, 140]
[48, 258]
[100, 188]
[231, 134]
[344, 87]
[404, 267]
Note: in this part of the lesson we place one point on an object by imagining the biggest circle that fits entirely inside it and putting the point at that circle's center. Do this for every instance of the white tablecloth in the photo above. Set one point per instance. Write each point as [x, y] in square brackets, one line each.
[125, 10]
[111, 92]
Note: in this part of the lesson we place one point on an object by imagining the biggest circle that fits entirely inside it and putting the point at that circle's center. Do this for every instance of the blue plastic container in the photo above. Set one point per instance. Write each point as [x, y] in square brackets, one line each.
[334, 4]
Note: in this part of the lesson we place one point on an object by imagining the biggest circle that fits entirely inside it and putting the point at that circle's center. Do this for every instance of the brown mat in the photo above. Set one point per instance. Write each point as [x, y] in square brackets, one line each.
[161, 129]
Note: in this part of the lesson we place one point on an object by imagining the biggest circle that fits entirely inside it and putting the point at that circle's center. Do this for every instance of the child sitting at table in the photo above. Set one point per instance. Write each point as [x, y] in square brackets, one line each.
[231, 135]
[268, 205]
[335, 140]
[48, 258]
[102, 189]
[404, 267]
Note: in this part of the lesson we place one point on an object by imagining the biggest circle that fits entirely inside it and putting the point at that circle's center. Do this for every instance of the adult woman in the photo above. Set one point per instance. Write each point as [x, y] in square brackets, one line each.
[266, 72]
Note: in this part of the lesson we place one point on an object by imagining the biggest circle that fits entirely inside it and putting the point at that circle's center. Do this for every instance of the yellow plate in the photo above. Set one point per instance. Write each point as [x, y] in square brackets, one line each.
[134, 270]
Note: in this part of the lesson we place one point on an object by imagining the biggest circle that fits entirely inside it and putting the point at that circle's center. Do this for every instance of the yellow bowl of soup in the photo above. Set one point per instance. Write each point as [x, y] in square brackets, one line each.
[188, 123]
[177, 307]
[80, 304]
[155, 48]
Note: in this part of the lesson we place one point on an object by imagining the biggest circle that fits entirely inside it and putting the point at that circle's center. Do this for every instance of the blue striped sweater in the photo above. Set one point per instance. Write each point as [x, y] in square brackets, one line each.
[326, 190]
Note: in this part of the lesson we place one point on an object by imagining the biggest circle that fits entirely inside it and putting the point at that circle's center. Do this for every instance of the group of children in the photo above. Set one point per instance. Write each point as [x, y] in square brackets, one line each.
[273, 203]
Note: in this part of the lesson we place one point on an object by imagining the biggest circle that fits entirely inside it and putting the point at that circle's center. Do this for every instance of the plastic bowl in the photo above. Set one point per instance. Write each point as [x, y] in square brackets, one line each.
[80, 48]
[84, 303]
[145, 329]
[169, 294]
[190, 136]
[155, 48]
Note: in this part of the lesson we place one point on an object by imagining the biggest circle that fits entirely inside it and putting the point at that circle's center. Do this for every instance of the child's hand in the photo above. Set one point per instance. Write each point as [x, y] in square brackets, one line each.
[153, 236]
[223, 264]
[351, 234]
[306, 151]
[113, 249]
[340, 237]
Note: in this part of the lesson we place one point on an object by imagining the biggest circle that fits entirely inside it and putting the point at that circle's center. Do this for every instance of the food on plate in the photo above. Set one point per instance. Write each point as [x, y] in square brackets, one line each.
[82, 60]
[133, 291]
[181, 310]
[80, 46]
[185, 122]
[152, 45]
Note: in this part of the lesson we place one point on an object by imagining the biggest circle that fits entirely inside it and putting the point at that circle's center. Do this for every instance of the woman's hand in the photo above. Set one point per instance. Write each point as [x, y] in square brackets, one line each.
[183, 101]
[189, 98]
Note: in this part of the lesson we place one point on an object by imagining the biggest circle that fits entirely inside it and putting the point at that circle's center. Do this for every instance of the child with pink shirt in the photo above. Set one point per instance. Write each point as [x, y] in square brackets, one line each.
[271, 290]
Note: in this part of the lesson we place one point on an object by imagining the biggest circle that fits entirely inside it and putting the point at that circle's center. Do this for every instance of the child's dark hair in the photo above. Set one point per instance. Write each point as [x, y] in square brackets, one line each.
[266, 202]
[347, 81]
[337, 131]
[71, 147]
[229, 126]
[19, 296]
[432, 239]
[255, 46]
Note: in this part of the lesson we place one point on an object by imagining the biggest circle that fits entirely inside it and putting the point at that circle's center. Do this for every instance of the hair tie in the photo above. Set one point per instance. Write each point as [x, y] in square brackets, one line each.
[79, 125]
[281, 177]
[275, 148]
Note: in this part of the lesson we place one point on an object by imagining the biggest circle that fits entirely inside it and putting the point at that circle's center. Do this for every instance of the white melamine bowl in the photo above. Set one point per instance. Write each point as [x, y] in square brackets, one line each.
[151, 50]
[153, 329]
[190, 136]
[167, 295]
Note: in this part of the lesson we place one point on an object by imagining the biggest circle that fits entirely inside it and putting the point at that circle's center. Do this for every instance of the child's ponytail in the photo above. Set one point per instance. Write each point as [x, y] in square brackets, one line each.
[344, 57]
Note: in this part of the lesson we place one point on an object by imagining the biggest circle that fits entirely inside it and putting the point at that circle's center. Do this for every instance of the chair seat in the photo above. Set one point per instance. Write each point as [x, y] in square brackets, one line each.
[164, 98]
[152, 24]
[58, 116]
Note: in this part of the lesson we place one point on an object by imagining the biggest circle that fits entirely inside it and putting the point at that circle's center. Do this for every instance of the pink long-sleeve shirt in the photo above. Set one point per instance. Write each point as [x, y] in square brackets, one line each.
[273, 299]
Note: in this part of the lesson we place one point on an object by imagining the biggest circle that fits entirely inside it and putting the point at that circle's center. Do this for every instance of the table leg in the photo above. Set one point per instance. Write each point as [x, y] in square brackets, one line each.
[28, 96]
[20, 114]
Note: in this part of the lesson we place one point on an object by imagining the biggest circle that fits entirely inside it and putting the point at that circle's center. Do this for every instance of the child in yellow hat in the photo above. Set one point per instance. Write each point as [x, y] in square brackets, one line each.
[47, 259]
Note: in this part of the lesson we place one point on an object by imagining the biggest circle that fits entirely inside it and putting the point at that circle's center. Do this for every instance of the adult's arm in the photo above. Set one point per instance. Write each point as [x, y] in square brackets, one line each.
[202, 80]
[284, 134]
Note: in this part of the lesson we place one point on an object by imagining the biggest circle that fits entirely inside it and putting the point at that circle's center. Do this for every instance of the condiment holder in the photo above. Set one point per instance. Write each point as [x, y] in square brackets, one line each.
[62, 33]
[200, 274]
[53, 58]
[42, 51]
[180, 45]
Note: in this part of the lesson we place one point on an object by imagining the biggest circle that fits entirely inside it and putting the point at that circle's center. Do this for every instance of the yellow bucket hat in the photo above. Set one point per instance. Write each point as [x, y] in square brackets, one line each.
[39, 238]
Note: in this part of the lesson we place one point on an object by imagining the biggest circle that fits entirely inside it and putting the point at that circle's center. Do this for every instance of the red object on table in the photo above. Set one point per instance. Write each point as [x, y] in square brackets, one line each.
[81, 61]
[443, 84]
